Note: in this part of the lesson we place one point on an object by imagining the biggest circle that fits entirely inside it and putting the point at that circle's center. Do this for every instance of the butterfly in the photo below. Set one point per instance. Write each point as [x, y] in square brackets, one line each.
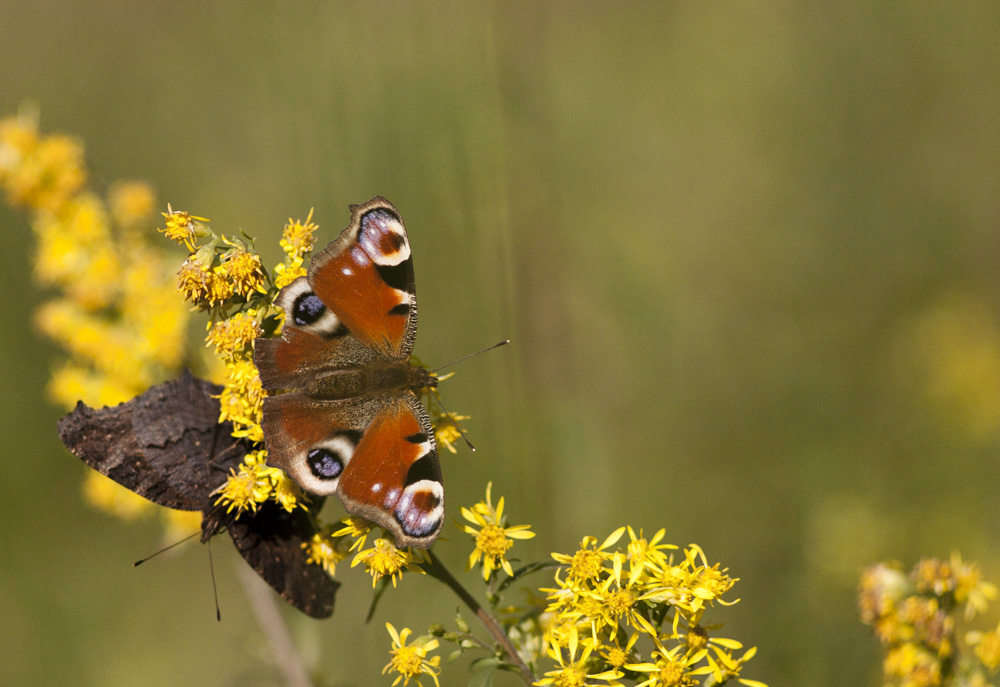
[168, 446]
[351, 422]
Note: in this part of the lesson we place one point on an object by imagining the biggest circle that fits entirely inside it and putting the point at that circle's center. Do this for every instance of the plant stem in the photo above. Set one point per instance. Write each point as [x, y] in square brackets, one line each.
[492, 626]
[269, 616]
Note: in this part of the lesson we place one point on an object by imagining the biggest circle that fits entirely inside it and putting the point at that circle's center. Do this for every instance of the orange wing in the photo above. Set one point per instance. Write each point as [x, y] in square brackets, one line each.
[365, 277]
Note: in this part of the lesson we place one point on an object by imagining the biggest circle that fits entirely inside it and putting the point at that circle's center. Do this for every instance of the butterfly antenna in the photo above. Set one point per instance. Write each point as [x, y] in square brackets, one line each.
[451, 418]
[164, 549]
[215, 588]
[456, 362]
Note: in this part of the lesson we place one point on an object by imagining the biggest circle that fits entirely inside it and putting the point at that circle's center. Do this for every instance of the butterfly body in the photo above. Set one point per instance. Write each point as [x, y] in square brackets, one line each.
[379, 377]
[350, 422]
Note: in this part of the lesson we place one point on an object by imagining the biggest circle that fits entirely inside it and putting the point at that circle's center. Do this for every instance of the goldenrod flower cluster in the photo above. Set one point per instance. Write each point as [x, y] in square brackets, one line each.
[255, 483]
[608, 598]
[623, 611]
[225, 276]
[915, 617]
[115, 310]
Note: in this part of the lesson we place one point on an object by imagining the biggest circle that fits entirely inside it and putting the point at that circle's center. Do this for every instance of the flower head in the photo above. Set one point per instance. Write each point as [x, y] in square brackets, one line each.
[572, 671]
[243, 270]
[493, 539]
[385, 560]
[585, 566]
[184, 228]
[325, 549]
[410, 660]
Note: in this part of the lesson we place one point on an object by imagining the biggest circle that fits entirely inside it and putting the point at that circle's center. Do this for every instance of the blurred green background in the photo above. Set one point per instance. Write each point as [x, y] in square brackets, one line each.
[747, 255]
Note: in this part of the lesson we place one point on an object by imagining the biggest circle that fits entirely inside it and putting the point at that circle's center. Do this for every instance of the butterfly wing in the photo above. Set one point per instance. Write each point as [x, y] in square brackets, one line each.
[378, 455]
[394, 477]
[314, 440]
[166, 444]
[313, 340]
[271, 542]
[365, 277]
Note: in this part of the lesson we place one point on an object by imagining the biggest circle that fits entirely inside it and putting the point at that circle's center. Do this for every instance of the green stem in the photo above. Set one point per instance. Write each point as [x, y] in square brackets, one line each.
[492, 626]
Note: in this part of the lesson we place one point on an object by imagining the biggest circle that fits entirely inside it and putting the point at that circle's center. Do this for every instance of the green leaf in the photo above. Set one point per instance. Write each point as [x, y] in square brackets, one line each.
[483, 670]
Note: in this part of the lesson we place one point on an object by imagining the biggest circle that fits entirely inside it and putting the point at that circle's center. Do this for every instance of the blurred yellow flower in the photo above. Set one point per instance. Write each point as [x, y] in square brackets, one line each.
[131, 202]
[325, 549]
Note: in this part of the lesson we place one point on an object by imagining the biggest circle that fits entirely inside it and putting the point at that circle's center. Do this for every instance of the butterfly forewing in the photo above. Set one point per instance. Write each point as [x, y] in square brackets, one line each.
[165, 444]
[366, 278]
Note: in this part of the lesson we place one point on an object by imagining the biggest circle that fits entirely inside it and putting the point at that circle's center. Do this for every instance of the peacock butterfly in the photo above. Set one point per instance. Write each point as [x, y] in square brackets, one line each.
[168, 446]
[351, 422]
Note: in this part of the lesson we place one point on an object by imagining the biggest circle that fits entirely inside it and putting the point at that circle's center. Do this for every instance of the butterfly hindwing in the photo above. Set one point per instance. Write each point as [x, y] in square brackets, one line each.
[366, 278]
[271, 541]
[394, 477]
[314, 440]
[168, 446]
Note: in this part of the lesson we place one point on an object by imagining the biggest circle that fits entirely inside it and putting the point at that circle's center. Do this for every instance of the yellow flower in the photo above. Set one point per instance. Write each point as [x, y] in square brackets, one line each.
[643, 554]
[987, 647]
[285, 491]
[587, 564]
[184, 228]
[40, 173]
[410, 660]
[617, 601]
[492, 539]
[617, 656]
[690, 586]
[287, 272]
[916, 665]
[385, 560]
[446, 432]
[670, 669]
[243, 270]
[219, 287]
[355, 527]
[242, 399]
[724, 666]
[970, 588]
[572, 671]
[933, 575]
[194, 282]
[234, 337]
[881, 588]
[297, 238]
[248, 488]
[132, 202]
[324, 549]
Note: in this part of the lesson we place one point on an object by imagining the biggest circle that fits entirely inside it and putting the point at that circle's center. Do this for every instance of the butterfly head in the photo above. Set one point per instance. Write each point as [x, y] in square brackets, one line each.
[422, 378]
